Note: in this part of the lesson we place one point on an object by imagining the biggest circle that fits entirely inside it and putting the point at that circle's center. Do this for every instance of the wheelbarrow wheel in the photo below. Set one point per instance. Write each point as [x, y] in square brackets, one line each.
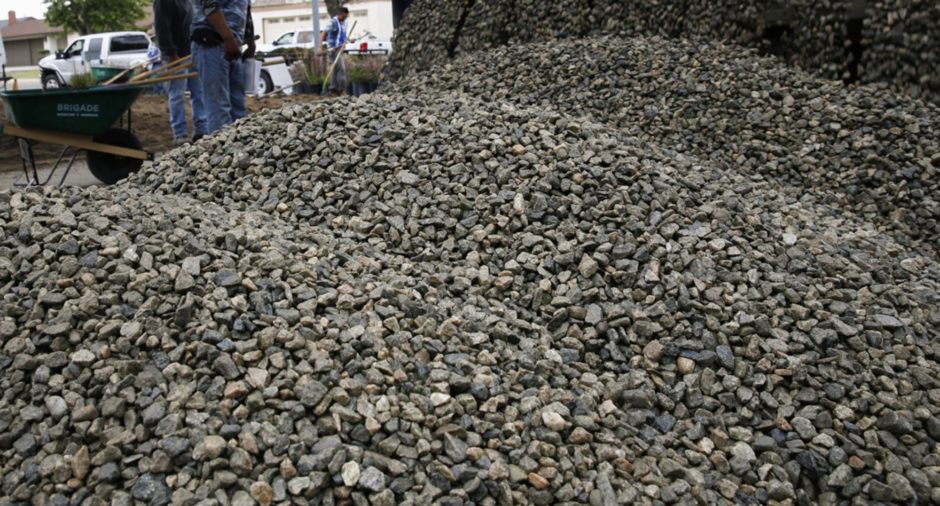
[112, 168]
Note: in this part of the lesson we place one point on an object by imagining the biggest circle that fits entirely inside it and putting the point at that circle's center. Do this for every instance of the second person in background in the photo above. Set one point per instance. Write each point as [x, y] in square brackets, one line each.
[173, 21]
[334, 36]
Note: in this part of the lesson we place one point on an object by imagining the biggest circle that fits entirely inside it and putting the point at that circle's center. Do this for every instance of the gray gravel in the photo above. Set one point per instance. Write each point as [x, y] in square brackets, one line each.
[865, 150]
[899, 37]
[403, 300]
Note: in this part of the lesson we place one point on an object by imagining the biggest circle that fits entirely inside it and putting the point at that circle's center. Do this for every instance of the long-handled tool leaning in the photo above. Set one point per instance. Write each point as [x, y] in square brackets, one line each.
[129, 70]
[329, 75]
[172, 67]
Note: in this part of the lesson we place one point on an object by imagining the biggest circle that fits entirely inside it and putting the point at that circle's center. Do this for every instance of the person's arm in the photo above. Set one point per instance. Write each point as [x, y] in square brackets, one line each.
[324, 33]
[216, 19]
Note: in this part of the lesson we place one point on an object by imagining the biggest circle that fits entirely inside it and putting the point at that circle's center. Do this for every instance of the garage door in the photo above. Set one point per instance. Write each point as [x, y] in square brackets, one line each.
[23, 53]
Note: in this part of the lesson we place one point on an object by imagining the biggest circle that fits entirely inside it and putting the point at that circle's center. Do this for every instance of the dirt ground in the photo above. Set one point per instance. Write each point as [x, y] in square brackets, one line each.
[150, 122]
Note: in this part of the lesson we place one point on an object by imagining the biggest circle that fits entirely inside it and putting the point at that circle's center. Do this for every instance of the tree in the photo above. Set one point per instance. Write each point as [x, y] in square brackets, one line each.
[93, 16]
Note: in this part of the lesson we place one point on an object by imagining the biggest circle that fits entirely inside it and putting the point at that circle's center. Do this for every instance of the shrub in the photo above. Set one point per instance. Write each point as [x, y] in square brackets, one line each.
[86, 80]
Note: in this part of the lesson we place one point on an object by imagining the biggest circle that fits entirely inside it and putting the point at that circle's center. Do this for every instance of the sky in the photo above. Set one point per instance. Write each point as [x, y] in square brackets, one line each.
[23, 8]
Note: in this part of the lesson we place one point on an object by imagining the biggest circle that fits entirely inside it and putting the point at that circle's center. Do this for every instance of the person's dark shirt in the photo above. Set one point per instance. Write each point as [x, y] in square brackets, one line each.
[173, 20]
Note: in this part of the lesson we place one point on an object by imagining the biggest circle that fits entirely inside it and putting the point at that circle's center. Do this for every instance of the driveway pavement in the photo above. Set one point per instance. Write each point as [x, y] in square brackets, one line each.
[29, 84]
[78, 176]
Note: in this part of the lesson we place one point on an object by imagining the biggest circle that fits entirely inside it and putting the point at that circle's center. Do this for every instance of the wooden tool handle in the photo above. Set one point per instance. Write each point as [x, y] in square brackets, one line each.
[163, 79]
[125, 71]
[162, 69]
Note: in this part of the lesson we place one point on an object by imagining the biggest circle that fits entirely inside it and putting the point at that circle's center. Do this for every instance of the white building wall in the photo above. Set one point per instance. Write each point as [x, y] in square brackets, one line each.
[57, 42]
[374, 17]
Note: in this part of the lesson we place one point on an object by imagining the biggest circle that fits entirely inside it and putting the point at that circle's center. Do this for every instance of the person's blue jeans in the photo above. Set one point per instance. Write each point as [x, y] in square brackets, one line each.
[176, 90]
[223, 85]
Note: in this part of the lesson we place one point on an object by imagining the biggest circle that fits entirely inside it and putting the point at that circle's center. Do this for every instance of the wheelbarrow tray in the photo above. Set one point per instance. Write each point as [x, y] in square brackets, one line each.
[103, 74]
[86, 111]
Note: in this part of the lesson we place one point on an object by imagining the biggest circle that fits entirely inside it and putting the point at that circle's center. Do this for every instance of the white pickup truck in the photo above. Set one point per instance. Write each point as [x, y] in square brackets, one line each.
[303, 39]
[113, 49]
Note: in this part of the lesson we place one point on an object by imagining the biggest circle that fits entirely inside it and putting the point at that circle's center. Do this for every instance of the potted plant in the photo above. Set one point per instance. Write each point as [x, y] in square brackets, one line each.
[374, 67]
[357, 73]
[317, 67]
[309, 72]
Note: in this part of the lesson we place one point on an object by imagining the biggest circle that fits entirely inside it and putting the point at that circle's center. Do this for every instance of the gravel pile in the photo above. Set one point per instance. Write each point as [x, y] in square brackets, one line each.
[899, 36]
[438, 299]
[864, 150]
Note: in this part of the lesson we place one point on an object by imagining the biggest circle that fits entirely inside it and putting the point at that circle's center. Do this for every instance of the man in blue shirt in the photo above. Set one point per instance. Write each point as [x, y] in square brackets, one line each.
[335, 39]
[220, 28]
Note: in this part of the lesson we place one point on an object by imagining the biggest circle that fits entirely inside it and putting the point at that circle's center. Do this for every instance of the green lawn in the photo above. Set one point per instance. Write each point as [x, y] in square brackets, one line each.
[25, 74]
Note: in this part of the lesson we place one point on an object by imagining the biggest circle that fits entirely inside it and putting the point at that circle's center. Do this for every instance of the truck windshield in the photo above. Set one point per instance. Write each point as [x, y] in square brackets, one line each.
[129, 44]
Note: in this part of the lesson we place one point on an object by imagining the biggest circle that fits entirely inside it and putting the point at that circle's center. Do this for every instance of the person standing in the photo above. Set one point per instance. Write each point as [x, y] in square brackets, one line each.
[220, 28]
[335, 39]
[173, 23]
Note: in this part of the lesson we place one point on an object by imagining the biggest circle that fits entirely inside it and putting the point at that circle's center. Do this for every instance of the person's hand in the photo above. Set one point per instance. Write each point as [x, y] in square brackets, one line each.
[250, 52]
[232, 50]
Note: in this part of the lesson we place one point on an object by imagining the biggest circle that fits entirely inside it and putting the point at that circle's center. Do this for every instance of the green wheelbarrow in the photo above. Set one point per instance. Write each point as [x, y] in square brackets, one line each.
[78, 119]
[107, 74]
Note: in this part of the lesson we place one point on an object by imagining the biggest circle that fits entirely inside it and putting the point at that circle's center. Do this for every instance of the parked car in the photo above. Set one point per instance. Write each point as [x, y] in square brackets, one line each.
[369, 44]
[274, 74]
[303, 39]
[299, 39]
[113, 49]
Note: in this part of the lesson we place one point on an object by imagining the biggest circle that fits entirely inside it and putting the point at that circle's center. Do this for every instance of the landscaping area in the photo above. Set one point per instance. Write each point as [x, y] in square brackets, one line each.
[564, 254]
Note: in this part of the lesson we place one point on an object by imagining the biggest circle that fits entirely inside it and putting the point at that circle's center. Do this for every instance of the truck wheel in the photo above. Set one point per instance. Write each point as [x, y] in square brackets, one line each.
[112, 168]
[265, 84]
[51, 81]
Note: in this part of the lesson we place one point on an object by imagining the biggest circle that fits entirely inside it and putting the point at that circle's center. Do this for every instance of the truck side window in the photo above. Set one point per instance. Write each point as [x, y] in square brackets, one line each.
[75, 49]
[94, 50]
[129, 44]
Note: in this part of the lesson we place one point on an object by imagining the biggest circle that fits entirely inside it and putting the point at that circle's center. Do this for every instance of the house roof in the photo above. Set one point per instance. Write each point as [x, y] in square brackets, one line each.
[27, 28]
[3, 22]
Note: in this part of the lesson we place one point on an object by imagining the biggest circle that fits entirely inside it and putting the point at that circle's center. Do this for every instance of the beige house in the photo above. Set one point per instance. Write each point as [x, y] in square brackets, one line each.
[27, 40]
[272, 18]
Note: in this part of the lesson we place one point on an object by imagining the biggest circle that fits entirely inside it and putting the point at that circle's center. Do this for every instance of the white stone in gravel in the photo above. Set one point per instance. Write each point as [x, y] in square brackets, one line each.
[83, 357]
[439, 399]
[351, 473]
[553, 421]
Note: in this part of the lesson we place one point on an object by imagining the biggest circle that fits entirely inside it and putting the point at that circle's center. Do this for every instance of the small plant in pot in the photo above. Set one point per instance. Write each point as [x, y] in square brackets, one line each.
[308, 72]
[374, 67]
[317, 66]
[357, 73]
